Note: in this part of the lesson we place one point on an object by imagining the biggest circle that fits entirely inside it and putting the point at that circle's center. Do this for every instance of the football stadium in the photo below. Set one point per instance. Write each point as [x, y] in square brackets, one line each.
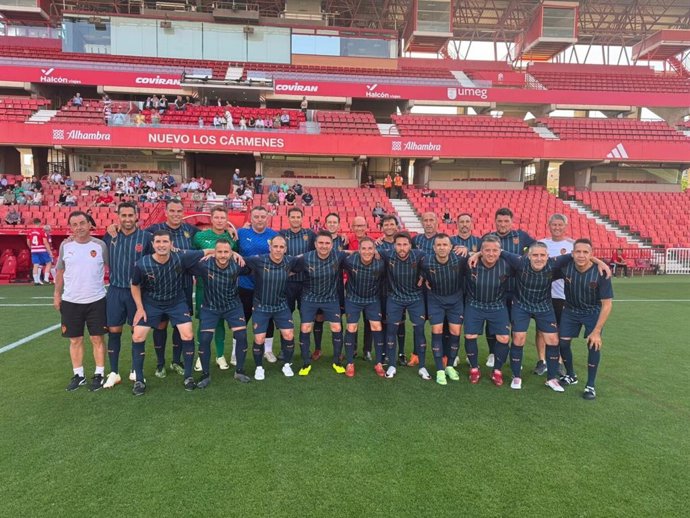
[344, 258]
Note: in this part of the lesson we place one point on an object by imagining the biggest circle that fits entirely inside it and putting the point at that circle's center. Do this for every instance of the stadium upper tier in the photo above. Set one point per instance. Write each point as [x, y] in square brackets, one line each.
[463, 126]
[349, 123]
[663, 218]
[19, 109]
[624, 129]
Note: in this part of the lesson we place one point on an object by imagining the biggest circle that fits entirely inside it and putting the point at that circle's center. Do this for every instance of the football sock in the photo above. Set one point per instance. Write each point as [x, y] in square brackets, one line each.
[100, 370]
[516, 359]
[593, 357]
[268, 345]
[177, 346]
[567, 355]
[318, 334]
[437, 350]
[491, 341]
[378, 344]
[368, 337]
[159, 338]
[37, 278]
[446, 338]
[240, 339]
[420, 344]
[288, 350]
[205, 350]
[138, 354]
[304, 344]
[552, 357]
[337, 345]
[391, 330]
[187, 346]
[79, 371]
[454, 348]
[114, 345]
[258, 352]
[350, 338]
[472, 351]
[401, 338]
[501, 354]
[219, 339]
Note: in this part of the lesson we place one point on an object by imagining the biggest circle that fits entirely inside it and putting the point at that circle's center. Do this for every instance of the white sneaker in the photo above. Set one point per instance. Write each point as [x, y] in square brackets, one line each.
[287, 370]
[197, 365]
[490, 361]
[112, 380]
[424, 374]
[554, 385]
[222, 363]
[390, 373]
[456, 362]
[516, 384]
[270, 357]
[259, 374]
[132, 376]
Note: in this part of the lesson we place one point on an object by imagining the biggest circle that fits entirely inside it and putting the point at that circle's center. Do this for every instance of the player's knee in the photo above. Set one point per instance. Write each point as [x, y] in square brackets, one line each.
[375, 326]
[288, 334]
[336, 328]
[306, 328]
[352, 328]
[503, 339]
[471, 337]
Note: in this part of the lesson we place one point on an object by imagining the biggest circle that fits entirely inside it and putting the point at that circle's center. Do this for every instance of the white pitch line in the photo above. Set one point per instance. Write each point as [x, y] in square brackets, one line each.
[51, 298]
[21, 305]
[29, 338]
[651, 300]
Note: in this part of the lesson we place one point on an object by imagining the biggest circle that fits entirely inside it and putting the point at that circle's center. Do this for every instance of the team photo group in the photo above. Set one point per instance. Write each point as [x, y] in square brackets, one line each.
[256, 278]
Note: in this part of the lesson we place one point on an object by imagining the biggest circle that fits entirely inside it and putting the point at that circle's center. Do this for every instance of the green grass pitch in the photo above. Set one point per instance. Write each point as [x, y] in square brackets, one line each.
[327, 445]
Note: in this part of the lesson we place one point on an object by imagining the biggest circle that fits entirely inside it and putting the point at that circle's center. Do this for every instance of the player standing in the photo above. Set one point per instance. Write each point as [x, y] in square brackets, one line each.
[38, 243]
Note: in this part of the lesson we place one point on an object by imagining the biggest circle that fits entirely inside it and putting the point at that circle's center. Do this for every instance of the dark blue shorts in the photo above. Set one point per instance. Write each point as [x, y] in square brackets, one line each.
[190, 299]
[294, 295]
[208, 318]
[545, 320]
[497, 321]
[371, 310]
[119, 306]
[282, 320]
[331, 311]
[442, 308]
[571, 323]
[395, 312]
[41, 258]
[176, 313]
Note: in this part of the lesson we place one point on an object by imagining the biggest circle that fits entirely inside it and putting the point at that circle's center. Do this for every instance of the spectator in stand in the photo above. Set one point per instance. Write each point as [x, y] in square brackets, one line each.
[193, 185]
[268, 123]
[203, 184]
[398, 183]
[3, 183]
[258, 182]
[104, 199]
[197, 200]
[180, 105]
[276, 122]
[251, 122]
[26, 184]
[163, 104]
[273, 198]
[427, 192]
[290, 197]
[211, 195]
[69, 183]
[71, 199]
[259, 123]
[62, 198]
[155, 103]
[378, 212]
[77, 100]
[237, 204]
[89, 218]
[243, 123]
[20, 196]
[148, 103]
[371, 183]
[107, 109]
[307, 199]
[13, 217]
[297, 187]
[36, 184]
[90, 184]
[285, 119]
[446, 218]
[247, 194]
[119, 119]
[284, 186]
[316, 225]
[618, 260]
[152, 196]
[281, 197]
[228, 120]
[216, 121]
[236, 180]
[155, 119]
[168, 181]
[304, 105]
[37, 198]
[139, 119]
[388, 184]
[273, 187]
[55, 178]
[201, 122]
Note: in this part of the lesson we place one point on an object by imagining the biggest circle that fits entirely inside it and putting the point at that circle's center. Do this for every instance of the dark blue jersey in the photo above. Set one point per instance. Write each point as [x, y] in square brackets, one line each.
[251, 243]
[339, 244]
[515, 242]
[486, 287]
[270, 281]
[423, 243]
[219, 284]
[123, 252]
[584, 291]
[298, 243]
[363, 280]
[323, 276]
[162, 283]
[534, 287]
[445, 279]
[403, 275]
[182, 238]
[472, 243]
[385, 246]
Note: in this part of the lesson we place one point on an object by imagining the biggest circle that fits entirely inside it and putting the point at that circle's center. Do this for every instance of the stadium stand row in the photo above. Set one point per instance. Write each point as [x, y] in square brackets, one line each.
[14, 108]
[463, 125]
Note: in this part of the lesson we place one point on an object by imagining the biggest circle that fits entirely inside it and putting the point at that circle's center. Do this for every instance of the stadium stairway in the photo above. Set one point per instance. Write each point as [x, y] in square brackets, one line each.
[42, 116]
[407, 215]
[583, 209]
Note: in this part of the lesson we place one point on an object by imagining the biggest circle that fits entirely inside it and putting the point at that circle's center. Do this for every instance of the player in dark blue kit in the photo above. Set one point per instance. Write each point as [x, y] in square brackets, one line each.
[515, 242]
[255, 240]
[182, 235]
[323, 277]
[159, 294]
[425, 241]
[588, 304]
[405, 294]
[485, 286]
[365, 274]
[221, 302]
[444, 274]
[464, 236]
[128, 246]
[270, 272]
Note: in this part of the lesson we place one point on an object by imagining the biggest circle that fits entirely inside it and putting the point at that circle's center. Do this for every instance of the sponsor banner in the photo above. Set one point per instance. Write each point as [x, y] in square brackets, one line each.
[75, 76]
[466, 94]
[222, 141]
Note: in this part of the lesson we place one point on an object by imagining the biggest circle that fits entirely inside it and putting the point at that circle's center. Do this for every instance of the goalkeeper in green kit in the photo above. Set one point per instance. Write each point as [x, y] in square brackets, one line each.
[207, 239]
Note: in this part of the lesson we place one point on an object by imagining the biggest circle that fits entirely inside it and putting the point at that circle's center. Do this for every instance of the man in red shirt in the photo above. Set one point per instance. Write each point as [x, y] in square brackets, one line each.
[618, 260]
[104, 199]
[38, 243]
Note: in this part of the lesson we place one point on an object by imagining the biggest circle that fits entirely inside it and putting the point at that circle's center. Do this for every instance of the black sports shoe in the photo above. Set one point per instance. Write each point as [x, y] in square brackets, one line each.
[540, 369]
[76, 382]
[139, 388]
[402, 360]
[204, 382]
[561, 370]
[568, 380]
[96, 383]
[242, 377]
[589, 394]
[189, 384]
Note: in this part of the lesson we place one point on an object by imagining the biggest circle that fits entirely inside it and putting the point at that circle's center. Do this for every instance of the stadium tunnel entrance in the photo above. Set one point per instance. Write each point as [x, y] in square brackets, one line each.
[219, 167]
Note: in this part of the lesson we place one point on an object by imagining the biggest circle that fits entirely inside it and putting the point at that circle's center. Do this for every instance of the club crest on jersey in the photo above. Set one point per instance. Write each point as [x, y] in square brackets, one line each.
[139, 248]
[516, 240]
[305, 237]
[186, 234]
[93, 253]
[593, 285]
